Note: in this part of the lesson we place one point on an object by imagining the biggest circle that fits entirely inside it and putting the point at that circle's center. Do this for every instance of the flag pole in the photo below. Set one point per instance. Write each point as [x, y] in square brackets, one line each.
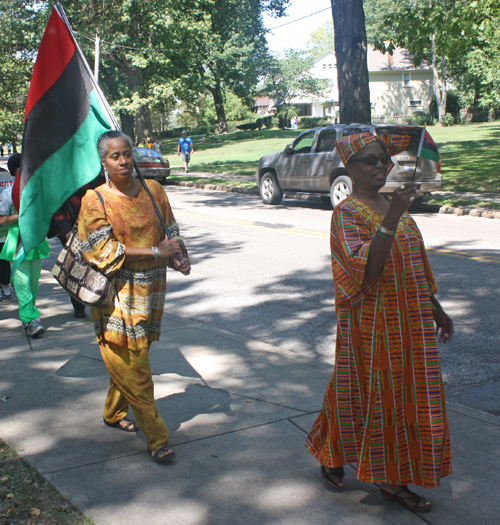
[111, 116]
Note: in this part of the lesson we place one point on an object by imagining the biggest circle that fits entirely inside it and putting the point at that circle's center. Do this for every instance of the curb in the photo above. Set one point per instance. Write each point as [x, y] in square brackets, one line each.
[472, 212]
[238, 189]
[213, 187]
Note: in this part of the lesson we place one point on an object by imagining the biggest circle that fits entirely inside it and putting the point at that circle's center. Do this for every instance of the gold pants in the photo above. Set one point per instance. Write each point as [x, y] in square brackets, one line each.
[132, 384]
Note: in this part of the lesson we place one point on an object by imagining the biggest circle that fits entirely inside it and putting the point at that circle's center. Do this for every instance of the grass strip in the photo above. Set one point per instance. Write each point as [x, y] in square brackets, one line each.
[217, 182]
[27, 498]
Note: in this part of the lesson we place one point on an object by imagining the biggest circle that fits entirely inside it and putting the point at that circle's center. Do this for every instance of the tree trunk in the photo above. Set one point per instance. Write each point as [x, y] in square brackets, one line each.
[127, 122]
[142, 119]
[439, 82]
[219, 106]
[352, 67]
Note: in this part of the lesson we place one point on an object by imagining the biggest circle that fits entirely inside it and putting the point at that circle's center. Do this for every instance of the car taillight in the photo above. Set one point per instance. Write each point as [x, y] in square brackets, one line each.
[439, 163]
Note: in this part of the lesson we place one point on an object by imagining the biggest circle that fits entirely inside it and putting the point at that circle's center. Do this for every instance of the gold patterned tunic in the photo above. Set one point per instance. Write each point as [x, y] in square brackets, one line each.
[134, 319]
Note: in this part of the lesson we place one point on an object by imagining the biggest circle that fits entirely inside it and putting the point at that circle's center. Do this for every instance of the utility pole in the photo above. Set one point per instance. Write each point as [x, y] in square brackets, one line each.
[96, 58]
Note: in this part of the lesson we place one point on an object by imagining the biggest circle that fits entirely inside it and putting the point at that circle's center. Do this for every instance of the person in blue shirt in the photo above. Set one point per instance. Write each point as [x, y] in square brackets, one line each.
[185, 149]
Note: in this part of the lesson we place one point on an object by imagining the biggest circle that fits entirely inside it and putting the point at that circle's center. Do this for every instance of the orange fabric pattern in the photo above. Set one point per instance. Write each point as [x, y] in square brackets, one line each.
[384, 407]
[134, 320]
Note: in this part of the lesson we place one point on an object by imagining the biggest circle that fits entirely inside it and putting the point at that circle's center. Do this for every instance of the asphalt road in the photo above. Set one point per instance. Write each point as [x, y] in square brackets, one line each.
[264, 271]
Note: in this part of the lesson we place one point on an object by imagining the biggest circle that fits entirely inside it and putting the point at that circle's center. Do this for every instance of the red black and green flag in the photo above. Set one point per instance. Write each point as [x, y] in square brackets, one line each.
[427, 148]
[65, 115]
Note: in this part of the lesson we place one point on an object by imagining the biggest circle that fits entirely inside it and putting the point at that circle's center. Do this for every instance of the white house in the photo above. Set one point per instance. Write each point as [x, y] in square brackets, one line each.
[397, 87]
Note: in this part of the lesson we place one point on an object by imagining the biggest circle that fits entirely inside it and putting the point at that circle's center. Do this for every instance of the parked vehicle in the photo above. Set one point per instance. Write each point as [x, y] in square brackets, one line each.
[311, 164]
[152, 164]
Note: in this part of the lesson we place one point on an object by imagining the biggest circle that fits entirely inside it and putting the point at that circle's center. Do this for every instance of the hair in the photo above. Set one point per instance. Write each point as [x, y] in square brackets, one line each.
[102, 143]
[13, 163]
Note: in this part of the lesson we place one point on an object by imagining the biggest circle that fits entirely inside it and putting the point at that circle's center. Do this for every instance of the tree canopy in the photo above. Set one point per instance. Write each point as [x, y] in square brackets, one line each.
[154, 54]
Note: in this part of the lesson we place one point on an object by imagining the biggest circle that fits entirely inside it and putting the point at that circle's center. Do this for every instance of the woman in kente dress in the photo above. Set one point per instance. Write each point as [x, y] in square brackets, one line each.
[125, 239]
[384, 408]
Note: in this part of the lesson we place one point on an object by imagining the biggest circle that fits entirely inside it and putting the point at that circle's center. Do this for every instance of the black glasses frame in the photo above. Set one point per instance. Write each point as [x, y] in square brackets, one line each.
[372, 160]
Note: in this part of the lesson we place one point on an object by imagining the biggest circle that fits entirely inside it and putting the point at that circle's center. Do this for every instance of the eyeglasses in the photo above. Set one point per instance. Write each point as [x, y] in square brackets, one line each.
[372, 160]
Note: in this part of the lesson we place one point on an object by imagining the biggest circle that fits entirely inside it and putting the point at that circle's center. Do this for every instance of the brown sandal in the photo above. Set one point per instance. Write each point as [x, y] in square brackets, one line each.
[162, 454]
[415, 502]
[333, 476]
[131, 426]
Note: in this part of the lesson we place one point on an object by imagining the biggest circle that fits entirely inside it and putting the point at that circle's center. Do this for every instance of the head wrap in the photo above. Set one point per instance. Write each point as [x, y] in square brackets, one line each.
[348, 146]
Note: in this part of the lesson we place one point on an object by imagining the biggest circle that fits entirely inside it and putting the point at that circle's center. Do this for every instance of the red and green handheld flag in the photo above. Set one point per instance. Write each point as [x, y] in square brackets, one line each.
[427, 148]
[65, 115]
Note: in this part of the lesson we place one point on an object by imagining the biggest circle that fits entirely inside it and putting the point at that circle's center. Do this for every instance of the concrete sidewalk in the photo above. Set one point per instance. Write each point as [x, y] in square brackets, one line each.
[238, 411]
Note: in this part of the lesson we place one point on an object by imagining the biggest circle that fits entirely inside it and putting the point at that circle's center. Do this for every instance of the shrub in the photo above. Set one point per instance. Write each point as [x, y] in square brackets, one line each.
[420, 119]
[312, 122]
[268, 122]
[260, 123]
[449, 120]
[250, 126]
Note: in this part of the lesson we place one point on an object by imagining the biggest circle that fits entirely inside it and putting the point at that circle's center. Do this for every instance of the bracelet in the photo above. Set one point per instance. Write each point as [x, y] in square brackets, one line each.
[384, 236]
[156, 252]
[386, 231]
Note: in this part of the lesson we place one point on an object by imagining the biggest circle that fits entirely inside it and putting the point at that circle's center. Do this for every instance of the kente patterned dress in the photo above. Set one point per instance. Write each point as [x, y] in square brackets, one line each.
[384, 407]
[134, 320]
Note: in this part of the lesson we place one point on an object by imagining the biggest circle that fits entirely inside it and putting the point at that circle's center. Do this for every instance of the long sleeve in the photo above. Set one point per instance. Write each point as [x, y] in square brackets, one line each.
[350, 246]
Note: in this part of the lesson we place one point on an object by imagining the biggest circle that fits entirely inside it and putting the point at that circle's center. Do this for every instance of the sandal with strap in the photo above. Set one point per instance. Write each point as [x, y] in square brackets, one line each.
[414, 502]
[131, 426]
[160, 455]
[333, 476]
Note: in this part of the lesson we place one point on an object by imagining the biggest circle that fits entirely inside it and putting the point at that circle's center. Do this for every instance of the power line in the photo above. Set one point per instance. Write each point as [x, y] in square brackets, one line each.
[298, 19]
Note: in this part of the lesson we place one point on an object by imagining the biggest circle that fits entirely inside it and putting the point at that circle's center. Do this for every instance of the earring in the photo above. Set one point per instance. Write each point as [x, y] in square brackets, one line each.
[106, 176]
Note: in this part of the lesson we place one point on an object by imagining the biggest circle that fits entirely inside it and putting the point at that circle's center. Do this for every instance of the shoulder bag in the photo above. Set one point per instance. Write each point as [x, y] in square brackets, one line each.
[81, 280]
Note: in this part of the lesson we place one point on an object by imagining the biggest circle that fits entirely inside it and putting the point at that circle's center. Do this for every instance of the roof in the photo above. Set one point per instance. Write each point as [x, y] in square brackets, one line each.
[401, 59]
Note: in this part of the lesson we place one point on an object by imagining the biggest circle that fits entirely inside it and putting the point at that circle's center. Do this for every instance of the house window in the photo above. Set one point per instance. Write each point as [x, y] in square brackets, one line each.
[329, 66]
[415, 103]
[324, 66]
[406, 80]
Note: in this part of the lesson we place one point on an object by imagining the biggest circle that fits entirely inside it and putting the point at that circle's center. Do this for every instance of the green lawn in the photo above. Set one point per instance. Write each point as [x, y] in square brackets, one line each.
[470, 154]
[232, 153]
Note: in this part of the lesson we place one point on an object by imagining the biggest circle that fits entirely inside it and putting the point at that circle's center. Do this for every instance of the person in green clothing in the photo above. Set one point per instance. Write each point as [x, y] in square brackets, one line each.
[26, 277]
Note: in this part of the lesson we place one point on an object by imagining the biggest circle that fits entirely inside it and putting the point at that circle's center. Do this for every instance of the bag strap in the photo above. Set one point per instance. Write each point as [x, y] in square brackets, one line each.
[101, 200]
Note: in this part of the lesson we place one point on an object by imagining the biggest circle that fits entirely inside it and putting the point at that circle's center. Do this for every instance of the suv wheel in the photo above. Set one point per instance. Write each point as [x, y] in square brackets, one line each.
[270, 190]
[340, 189]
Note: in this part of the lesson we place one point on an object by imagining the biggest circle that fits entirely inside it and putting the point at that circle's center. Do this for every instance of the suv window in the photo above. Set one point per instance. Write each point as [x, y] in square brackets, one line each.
[353, 131]
[326, 140]
[304, 144]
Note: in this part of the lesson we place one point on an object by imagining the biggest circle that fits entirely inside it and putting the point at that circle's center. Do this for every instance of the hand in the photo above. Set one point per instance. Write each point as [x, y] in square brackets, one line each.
[168, 247]
[444, 325]
[178, 153]
[402, 198]
[67, 236]
[183, 266]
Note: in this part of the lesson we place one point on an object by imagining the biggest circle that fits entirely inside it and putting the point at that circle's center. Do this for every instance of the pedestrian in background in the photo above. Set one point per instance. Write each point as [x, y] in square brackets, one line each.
[1, 150]
[27, 275]
[6, 181]
[9, 149]
[185, 148]
[384, 408]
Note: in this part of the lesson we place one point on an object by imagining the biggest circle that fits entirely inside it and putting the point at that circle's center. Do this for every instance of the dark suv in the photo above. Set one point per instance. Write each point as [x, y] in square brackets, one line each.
[311, 164]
